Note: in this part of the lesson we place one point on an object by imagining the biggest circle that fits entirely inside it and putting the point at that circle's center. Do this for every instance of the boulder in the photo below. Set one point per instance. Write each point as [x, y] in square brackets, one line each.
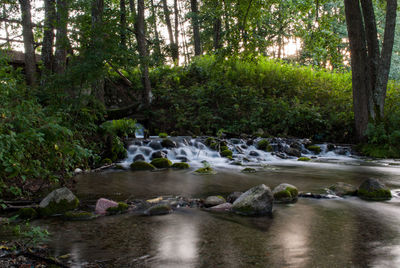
[182, 158]
[257, 201]
[373, 189]
[254, 153]
[233, 196]
[145, 150]
[141, 165]
[285, 193]
[167, 143]
[161, 163]
[293, 152]
[139, 157]
[159, 209]
[155, 145]
[222, 207]
[58, 202]
[158, 154]
[103, 204]
[212, 201]
[342, 189]
[180, 165]
[249, 170]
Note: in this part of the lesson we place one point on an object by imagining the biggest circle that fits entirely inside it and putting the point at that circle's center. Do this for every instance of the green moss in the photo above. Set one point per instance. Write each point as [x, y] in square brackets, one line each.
[264, 145]
[205, 170]
[248, 170]
[141, 165]
[58, 208]
[245, 210]
[121, 208]
[27, 213]
[314, 148]
[180, 165]
[78, 215]
[226, 153]
[161, 163]
[377, 195]
[160, 209]
[223, 148]
[303, 159]
[293, 191]
[283, 194]
[163, 135]
[209, 141]
[214, 145]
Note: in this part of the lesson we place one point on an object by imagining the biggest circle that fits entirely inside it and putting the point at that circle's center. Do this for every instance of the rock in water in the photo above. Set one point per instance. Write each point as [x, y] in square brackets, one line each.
[222, 207]
[160, 209]
[372, 189]
[342, 189]
[285, 193]
[103, 204]
[257, 201]
[58, 202]
[167, 143]
[155, 145]
[139, 157]
[212, 201]
[233, 196]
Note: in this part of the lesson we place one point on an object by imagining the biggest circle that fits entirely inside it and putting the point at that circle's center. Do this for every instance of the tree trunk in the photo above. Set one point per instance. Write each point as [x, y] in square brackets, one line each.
[48, 37]
[170, 33]
[370, 67]
[358, 50]
[122, 9]
[61, 37]
[157, 37]
[30, 61]
[196, 28]
[217, 28]
[141, 40]
[96, 46]
[176, 47]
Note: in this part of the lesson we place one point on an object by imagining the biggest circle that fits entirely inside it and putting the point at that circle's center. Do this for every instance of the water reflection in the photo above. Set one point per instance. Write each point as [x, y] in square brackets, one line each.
[177, 242]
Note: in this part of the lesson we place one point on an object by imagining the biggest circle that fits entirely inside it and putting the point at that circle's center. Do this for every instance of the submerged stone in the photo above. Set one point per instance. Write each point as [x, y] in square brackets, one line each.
[342, 189]
[233, 196]
[222, 207]
[58, 202]
[205, 170]
[249, 170]
[285, 193]
[257, 201]
[78, 215]
[374, 190]
[160, 209]
[214, 201]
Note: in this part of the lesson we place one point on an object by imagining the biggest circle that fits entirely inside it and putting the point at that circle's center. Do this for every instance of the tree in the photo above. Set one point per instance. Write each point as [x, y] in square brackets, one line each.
[173, 46]
[30, 59]
[61, 36]
[141, 40]
[196, 28]
[48, 36]
[122, 9]
[370, 65]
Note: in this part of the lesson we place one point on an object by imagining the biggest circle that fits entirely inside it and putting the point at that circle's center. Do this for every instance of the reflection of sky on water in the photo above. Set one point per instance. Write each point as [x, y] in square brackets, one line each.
[177, 243]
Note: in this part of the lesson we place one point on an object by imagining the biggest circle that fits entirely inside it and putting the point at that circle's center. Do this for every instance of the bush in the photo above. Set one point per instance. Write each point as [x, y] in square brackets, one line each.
[122, 128]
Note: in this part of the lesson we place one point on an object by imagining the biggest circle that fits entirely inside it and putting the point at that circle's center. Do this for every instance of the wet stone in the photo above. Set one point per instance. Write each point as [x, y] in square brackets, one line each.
[138, 157]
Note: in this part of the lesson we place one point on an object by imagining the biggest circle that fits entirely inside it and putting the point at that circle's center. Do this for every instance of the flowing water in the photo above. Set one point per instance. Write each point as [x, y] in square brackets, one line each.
[334, 232]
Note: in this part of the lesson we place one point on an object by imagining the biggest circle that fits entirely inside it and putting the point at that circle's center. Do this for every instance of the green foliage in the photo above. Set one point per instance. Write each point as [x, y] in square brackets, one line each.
[122, 127]
[244, 95]
[163, 135]
[30, 236]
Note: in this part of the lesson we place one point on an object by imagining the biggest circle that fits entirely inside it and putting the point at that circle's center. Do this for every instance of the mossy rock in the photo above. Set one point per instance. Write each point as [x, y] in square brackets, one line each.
[78, 215]
[214, 201]
[106, 161]
[167, 143]
[205, 170]
[285, 193]
[141, 165]
[161, 163]
[214, 145]
[248, 170]
[27, 213]
[223, 148]
[58, 202]
[227, 153]
[264, 145]
[314, 148]
[374, 190]
[180, 165]
[163, 135]
[159, 209]
[121, 208]
[304, 159]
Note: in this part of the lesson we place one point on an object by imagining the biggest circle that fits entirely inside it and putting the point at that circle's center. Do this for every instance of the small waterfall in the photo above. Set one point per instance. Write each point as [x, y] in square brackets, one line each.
[244, 151]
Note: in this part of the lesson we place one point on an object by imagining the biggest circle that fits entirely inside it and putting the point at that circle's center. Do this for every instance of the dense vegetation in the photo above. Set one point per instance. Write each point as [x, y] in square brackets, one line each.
[219, 66]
